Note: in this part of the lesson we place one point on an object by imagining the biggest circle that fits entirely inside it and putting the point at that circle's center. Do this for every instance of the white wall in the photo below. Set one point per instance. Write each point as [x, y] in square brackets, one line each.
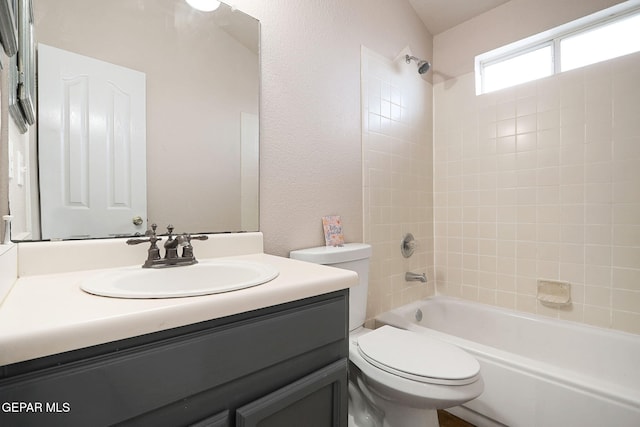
[310, 135]
[539, 181]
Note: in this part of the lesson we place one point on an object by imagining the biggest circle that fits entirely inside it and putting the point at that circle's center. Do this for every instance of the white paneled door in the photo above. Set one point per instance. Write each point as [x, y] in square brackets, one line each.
[92, 146]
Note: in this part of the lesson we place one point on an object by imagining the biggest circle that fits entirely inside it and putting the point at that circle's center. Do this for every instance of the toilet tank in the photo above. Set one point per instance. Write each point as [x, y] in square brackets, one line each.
[351, 256]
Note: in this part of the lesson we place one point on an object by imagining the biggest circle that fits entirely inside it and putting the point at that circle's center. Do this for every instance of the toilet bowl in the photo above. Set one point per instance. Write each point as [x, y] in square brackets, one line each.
[397, 378]
[408, 377]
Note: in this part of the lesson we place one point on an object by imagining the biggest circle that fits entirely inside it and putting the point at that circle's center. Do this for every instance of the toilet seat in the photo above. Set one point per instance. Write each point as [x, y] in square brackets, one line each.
[417, 357]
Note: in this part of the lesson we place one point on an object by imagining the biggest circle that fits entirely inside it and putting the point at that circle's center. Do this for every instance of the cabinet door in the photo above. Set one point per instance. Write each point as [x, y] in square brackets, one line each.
[218, 420]
[317, 400]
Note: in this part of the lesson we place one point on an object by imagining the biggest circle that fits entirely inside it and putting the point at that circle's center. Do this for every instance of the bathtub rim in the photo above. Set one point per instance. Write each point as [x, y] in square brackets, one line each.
[539, 318]
[608, 390]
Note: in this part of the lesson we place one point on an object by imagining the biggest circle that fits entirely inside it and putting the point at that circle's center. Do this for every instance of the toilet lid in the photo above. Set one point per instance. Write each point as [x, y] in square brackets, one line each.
[417, 357]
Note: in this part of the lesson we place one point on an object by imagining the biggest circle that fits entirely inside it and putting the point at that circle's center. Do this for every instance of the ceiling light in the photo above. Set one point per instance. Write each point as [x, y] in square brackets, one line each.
[204, 5]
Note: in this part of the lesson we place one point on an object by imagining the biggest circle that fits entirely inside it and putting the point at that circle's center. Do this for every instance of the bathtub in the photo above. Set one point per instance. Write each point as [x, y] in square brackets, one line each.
[537, 371]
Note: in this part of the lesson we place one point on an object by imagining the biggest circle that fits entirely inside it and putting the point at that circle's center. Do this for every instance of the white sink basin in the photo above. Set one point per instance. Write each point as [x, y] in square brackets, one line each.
[205, 277]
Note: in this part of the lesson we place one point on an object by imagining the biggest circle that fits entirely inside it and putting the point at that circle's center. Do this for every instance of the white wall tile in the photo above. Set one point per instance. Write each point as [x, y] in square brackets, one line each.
[561, 160]
[399, 173]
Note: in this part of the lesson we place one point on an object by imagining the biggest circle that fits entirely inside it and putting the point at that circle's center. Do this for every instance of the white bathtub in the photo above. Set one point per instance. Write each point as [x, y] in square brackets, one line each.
[538, 372]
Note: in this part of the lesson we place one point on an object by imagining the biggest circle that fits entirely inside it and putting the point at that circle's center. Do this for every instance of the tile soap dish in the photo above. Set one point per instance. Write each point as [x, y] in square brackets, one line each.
[554, 294]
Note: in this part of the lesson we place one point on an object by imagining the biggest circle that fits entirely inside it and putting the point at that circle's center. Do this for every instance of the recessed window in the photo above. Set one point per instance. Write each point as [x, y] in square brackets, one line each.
[605, 35]
[524, 67]
[617, 38]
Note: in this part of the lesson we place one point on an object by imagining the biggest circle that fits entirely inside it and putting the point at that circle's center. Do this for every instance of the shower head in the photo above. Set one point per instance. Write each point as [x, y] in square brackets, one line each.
[423, 66]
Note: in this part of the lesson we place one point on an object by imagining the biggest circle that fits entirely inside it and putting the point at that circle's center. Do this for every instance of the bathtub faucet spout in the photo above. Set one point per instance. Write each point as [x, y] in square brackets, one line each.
[415, 277]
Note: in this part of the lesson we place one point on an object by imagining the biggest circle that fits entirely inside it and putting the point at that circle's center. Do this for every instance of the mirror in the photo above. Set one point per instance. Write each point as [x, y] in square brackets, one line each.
[200, 97]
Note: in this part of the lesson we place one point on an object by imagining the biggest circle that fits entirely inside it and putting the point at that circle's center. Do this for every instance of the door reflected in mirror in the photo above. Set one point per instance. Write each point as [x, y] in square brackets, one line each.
[92, 116]
[195, 145]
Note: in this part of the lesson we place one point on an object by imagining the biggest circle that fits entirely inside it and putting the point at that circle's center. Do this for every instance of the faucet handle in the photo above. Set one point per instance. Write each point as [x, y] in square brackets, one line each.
[186, 238]
[200, 237]
[185, 242]
[151, 237]
[137, 241]
[153, 252]
[152, 230]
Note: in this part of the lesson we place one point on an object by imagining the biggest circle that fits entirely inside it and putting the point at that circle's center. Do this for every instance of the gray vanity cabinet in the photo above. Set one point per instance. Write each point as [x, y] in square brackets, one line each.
[279, 366]
[312, 401]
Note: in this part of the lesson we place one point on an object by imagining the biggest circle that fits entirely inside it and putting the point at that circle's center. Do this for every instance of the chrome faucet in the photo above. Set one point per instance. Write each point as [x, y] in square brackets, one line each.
[171, 258]
[415, 277]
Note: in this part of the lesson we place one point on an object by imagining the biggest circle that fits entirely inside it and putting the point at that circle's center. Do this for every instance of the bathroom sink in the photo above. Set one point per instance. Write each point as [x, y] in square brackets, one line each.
[205, 277]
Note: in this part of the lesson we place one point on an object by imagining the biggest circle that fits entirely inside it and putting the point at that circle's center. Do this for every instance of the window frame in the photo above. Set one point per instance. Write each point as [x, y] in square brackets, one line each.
[514, 54]
[551, 38]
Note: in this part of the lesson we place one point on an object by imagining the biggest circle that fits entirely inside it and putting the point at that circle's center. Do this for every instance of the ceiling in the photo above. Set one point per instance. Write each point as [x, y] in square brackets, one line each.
[440, 15]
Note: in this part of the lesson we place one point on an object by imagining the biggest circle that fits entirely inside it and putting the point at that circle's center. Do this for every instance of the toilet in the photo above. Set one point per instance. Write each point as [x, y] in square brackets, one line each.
[397, 378]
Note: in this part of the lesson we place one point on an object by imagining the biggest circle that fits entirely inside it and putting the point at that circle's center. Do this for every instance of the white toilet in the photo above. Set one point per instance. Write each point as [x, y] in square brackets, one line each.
[397, 378]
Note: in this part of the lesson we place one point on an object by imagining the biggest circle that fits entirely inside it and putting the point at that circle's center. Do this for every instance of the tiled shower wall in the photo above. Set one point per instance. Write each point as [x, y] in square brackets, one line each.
[542, 181]
[397, 134]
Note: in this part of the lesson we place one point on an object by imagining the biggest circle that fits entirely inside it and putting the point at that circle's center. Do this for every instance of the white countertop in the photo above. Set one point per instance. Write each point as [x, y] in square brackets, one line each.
[49, 313]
